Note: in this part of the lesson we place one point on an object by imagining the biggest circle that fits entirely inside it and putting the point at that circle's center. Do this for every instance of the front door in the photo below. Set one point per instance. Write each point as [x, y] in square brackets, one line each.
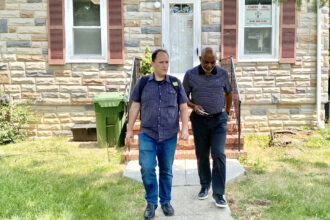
[181, 34]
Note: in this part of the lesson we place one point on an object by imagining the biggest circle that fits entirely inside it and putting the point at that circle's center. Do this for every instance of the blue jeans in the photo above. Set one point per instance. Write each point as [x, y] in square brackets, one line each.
[149, 149]
[210, 134]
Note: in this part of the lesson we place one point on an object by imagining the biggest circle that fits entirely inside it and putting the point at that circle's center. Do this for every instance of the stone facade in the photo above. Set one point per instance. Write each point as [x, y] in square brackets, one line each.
[274, 95]
[277, 96]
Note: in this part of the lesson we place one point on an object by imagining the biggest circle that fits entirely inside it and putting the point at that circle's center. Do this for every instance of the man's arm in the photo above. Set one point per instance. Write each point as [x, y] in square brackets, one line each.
[197, 108]
[191, 104]
[133, 113]
[229, 101]
[184, 118]
[187, 89]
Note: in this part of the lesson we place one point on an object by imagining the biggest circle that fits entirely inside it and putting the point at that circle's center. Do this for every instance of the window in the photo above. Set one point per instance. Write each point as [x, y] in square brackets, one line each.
[258, 30]
[77, 36]
[86, 33]
[280, 33]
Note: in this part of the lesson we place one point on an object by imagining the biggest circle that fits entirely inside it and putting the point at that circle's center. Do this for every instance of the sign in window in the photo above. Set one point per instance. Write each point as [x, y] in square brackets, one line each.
[258, 15]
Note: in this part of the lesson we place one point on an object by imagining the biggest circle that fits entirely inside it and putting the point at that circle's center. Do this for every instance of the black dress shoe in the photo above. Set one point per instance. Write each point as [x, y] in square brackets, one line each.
[220, 201]
[168, 209]
[203, 194]
[149, 213]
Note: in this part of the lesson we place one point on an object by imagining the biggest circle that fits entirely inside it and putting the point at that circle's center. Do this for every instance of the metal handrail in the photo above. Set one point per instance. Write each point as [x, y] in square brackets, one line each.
[228, 64]
[135, 74]
[129, 88]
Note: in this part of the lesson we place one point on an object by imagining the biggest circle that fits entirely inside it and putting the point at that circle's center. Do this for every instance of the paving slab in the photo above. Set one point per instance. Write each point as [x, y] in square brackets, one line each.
[185, 171]
[188, 207]
[185, 189]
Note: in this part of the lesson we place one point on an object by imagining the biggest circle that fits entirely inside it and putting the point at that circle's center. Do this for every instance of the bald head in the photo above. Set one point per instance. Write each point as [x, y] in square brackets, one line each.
[208, 50]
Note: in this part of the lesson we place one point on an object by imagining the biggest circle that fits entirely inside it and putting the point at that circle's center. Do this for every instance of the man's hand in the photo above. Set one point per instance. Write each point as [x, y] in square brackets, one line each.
[133, 113]
[184, 134]
[199, 110]
[129, 136]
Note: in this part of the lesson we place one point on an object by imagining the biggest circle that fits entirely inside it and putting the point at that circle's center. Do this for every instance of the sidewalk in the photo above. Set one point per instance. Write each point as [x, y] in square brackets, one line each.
[185, 189]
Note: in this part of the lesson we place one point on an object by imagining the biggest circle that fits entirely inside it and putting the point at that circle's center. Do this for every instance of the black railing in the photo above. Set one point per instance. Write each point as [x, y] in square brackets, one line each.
[135, 74]
[228, 64]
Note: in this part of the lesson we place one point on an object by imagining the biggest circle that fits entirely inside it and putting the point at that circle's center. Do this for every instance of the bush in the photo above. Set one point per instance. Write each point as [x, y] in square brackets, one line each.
[13, 118]
[145, 66]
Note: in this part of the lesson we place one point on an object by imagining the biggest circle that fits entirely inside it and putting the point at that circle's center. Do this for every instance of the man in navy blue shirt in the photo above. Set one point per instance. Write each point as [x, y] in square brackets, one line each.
[160, 99]
[211, 100]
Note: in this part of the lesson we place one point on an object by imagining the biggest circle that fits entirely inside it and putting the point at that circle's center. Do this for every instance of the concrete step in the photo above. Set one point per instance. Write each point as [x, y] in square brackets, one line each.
[231, 143]
[181, 154]
[186, 185]
[231, 127]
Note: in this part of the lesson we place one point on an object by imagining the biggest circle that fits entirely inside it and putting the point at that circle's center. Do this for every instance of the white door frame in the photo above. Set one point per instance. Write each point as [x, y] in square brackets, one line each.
[196, 25]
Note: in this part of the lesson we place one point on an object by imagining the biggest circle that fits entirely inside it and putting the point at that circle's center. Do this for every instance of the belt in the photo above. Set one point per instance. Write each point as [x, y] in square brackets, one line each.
[211, 115]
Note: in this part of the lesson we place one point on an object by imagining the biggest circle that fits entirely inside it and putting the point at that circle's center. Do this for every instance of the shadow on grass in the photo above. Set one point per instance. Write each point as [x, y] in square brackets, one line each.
[36, 194]
[93, 144]
[281, 194]
[299, 163]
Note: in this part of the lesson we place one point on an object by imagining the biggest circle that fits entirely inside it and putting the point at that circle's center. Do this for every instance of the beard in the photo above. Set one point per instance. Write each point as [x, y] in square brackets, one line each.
[207, 70]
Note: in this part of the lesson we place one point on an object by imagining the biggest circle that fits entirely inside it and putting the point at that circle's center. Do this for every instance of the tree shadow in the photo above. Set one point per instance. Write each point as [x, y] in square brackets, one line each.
[299, 163]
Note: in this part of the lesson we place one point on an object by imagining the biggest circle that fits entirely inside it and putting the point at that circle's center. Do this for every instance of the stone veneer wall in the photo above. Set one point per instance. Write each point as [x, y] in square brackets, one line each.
[61, 94]
[274, 96]
[278, 96]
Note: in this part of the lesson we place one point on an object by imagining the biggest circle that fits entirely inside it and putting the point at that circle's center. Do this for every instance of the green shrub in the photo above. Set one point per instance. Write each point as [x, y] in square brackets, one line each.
[145, 65]
[13, 119]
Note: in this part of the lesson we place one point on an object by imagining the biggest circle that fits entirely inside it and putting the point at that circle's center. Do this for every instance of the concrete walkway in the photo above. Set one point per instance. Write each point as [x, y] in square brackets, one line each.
[185, 189]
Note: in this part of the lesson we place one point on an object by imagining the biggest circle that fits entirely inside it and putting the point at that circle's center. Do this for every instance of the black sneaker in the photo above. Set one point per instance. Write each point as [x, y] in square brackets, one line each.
[203, 194]
[220, 201]
[149, 213]
[168, 209]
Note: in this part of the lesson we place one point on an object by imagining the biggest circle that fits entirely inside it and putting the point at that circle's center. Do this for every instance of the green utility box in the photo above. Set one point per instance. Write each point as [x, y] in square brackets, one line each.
[110, 118]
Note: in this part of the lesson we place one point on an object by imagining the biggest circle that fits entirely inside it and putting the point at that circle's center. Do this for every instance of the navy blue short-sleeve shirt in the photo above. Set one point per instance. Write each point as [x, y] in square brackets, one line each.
[159, 106]
[207, 91]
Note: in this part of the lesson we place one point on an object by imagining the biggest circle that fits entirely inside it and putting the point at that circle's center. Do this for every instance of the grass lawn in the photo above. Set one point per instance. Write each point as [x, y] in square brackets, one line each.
[290, 180]
[57, 179]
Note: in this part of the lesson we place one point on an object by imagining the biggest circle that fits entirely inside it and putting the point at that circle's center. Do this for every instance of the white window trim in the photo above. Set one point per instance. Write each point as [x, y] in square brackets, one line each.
[69, 45]
[275, 37]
